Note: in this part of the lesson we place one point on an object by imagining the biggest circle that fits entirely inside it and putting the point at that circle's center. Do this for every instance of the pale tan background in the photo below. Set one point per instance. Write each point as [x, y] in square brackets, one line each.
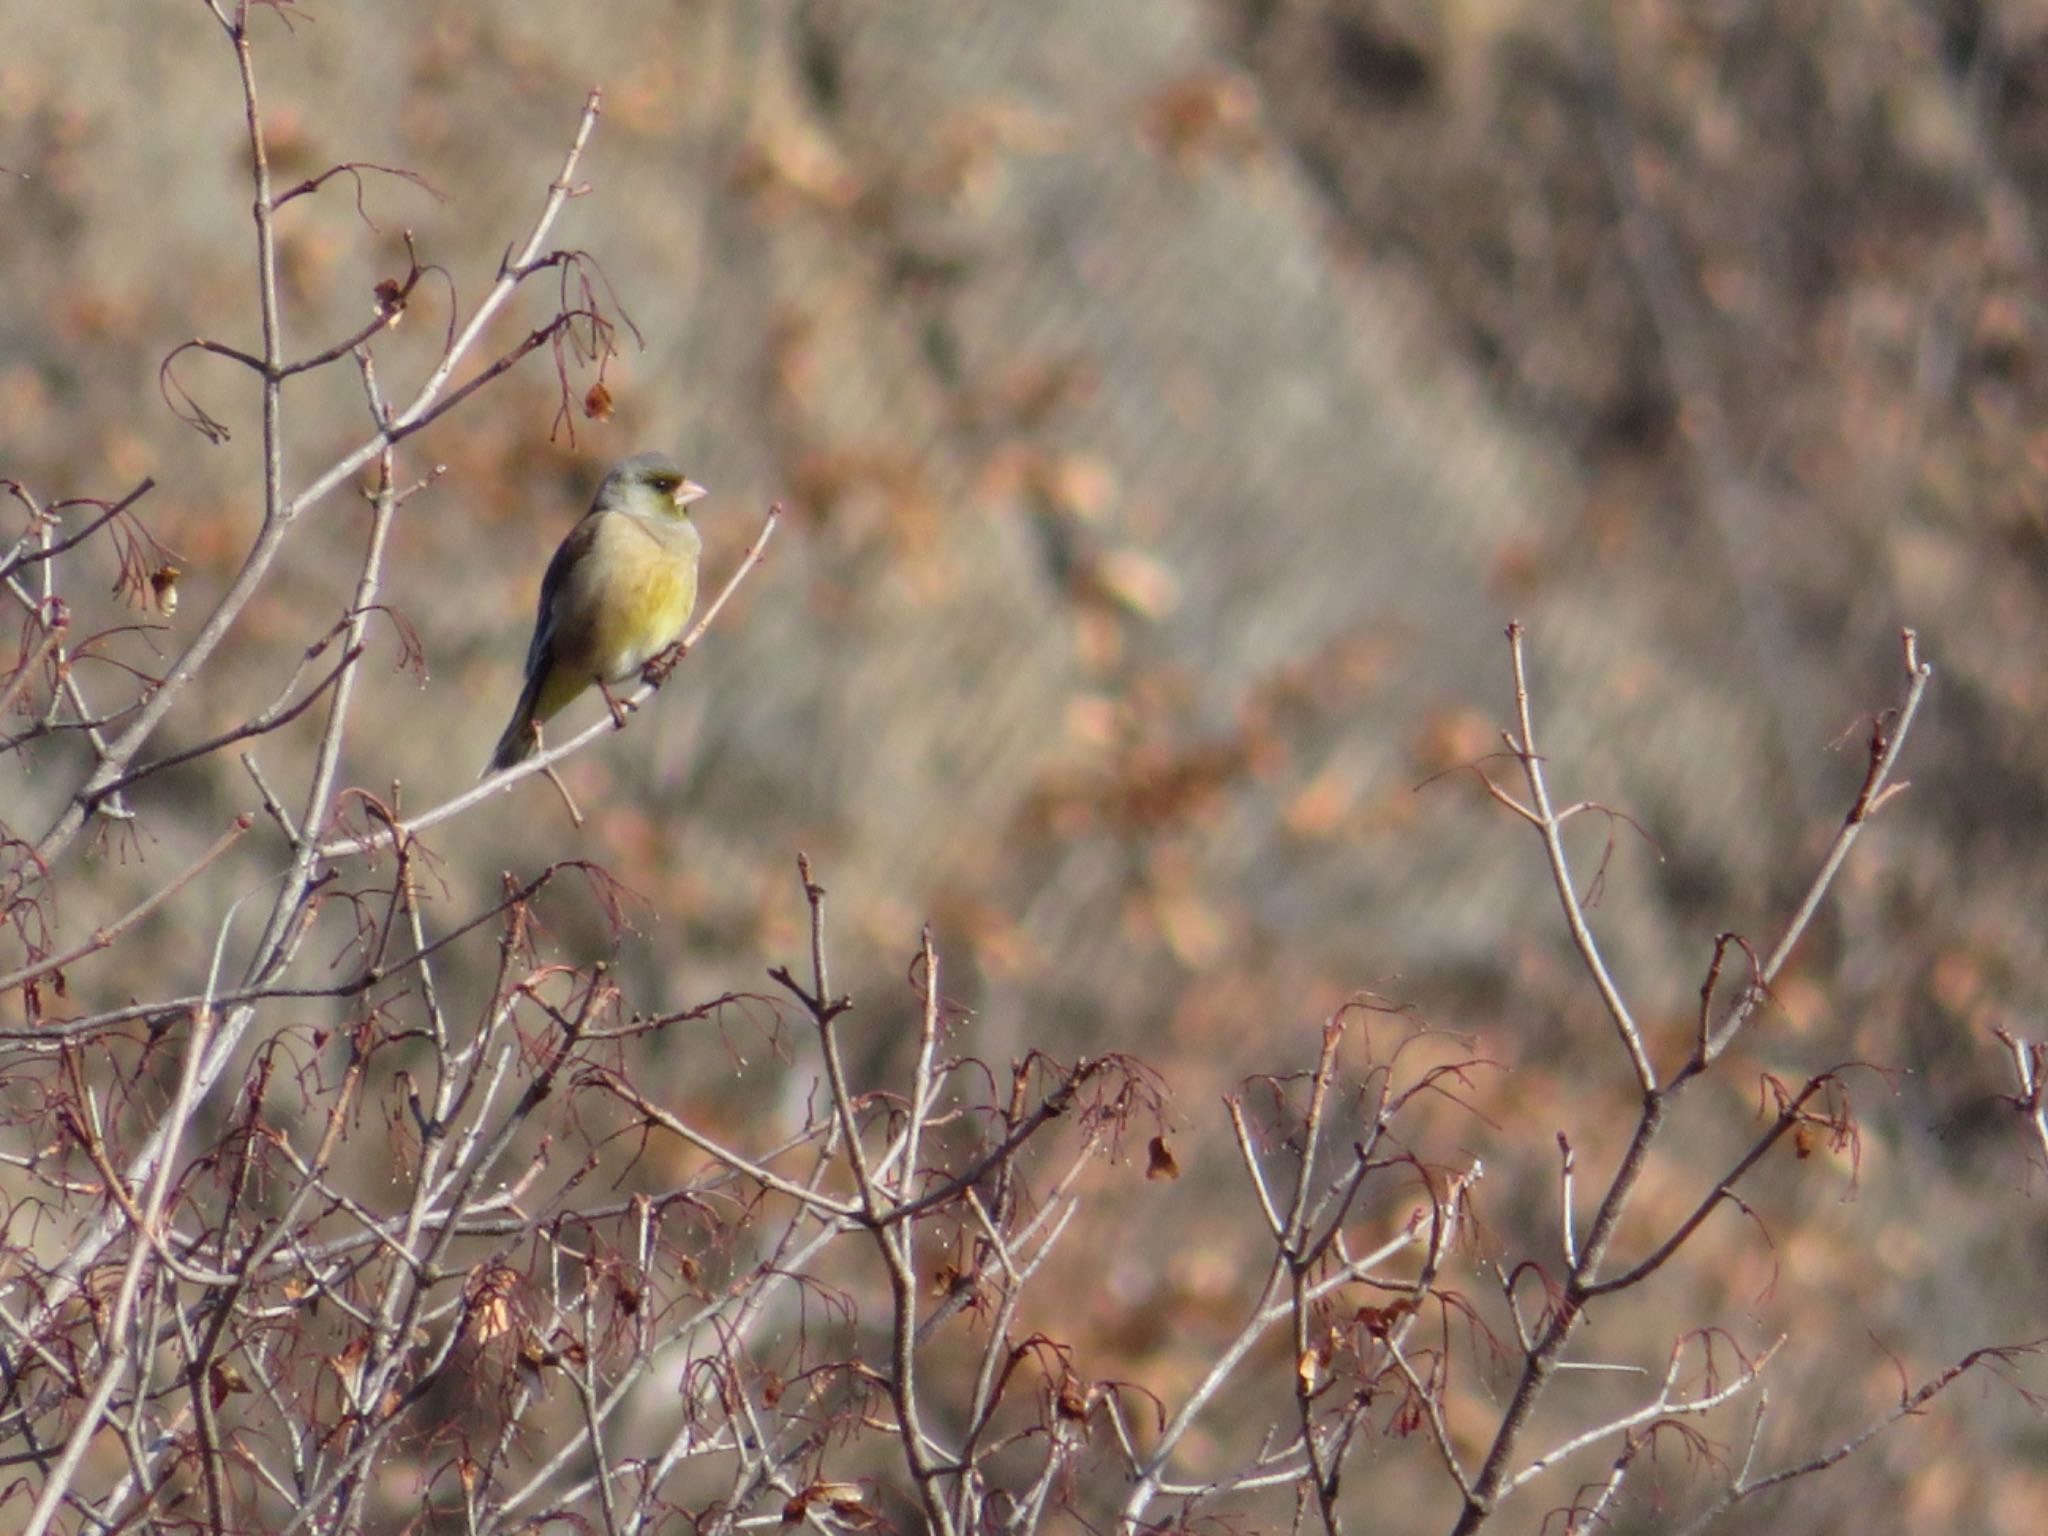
[1128, 683]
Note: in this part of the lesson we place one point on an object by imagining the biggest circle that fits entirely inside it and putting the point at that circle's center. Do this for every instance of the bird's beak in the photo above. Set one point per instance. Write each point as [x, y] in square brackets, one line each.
[688, 492]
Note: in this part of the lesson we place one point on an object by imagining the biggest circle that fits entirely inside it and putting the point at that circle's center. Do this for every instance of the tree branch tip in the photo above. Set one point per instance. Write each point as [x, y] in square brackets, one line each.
[813, 891]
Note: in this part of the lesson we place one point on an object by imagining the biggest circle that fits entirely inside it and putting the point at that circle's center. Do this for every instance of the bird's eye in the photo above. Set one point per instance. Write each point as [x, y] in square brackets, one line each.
[667, 483]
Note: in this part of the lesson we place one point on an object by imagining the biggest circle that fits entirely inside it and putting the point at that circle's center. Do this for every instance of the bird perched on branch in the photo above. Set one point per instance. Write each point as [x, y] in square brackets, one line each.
[617, 593]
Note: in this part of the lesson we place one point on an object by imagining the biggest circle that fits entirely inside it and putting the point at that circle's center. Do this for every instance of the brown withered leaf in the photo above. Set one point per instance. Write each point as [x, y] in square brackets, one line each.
[222, 1379]
[490, 1302]
[1159, 1160]
[1380, 1321]
[628, 1298]
[843, 1499]
[491, 1318]
[1208, 114]
[1074, 1399]
[1320, 808]
[1450, 738]
[597, 402]
[790, 167]
[1134, 582]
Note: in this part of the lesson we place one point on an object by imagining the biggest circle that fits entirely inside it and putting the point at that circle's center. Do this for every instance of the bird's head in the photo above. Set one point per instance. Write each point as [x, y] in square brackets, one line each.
[650, 483]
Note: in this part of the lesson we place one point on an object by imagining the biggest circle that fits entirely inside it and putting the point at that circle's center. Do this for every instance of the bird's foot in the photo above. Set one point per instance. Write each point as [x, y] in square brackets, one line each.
[661, 663]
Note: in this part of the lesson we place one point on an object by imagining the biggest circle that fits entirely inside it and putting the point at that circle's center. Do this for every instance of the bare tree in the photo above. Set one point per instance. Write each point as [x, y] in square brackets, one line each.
[455, 1265]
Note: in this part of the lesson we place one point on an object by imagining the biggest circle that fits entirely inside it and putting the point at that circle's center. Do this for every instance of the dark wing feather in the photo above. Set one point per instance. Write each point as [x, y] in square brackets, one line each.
[567, 553]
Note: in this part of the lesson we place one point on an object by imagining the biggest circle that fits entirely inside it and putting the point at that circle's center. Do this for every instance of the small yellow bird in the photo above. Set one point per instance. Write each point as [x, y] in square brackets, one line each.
[618, 592]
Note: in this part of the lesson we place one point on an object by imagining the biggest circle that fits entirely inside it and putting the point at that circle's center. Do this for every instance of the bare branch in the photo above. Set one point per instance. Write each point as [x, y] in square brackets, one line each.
[1523, 746]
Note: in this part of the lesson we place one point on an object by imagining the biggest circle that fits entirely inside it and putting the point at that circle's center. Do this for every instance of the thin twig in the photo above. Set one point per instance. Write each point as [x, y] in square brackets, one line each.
[1551, 826]
[101, 938]
[1887, 741]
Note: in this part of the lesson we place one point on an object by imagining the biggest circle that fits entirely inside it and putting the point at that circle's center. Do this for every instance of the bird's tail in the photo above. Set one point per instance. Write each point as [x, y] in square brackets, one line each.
[520, 738]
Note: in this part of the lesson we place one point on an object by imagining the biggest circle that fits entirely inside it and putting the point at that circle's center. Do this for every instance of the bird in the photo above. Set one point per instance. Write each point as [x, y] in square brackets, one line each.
[617, 593]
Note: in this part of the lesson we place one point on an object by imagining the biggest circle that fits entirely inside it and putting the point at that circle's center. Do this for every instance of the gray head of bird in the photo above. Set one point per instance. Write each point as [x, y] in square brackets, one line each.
[649, 483]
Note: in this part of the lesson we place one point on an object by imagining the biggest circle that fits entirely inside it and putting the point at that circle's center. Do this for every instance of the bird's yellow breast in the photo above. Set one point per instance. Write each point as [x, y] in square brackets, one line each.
[645, 610]
[628, 598]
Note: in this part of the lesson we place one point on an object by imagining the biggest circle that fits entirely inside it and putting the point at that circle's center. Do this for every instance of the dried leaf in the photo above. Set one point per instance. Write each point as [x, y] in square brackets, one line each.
[1381, 1321]
[839, 1495]
[1074, 1399]
[1211, 113]
[1320, 808]
[491, 1318]
[1136, 583]
[841, 1498]
[222, 1379]
[490, 1303]
[1159, 1161]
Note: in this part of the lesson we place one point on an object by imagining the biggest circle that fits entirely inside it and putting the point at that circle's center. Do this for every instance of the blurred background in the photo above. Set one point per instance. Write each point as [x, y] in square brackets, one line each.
[1173, 400]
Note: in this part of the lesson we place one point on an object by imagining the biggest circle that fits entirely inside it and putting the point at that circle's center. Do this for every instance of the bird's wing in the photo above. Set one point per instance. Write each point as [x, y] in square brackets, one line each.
[571, 550]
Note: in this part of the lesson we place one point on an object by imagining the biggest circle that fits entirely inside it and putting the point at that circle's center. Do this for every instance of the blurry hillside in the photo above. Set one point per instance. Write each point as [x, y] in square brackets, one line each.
[1173, 399]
